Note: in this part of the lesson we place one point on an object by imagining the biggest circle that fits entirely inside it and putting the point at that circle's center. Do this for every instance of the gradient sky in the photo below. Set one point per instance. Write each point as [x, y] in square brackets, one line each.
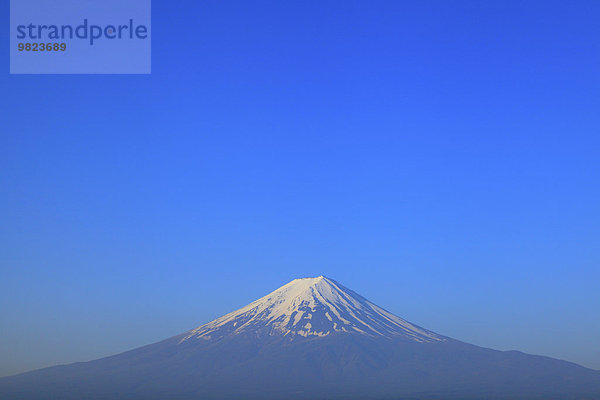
[440, 158]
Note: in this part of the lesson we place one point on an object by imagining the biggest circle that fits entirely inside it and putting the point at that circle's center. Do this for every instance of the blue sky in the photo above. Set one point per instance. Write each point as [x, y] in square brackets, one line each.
[440, 158]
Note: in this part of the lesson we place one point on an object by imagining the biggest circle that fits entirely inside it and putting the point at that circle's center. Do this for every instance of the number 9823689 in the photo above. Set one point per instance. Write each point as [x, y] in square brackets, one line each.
[42, 46]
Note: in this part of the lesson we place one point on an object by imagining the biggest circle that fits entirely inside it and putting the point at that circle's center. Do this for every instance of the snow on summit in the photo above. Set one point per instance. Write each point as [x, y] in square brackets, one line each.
[312, 307]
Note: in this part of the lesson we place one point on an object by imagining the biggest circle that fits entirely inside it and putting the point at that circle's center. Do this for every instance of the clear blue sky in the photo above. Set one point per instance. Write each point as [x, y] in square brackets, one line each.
[440, 158]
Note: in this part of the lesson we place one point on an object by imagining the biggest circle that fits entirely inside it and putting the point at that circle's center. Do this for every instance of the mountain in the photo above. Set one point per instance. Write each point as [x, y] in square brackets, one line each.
[310, 339]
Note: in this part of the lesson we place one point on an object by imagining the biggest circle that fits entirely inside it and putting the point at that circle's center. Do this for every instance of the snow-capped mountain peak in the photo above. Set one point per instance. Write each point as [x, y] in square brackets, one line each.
[312, 307]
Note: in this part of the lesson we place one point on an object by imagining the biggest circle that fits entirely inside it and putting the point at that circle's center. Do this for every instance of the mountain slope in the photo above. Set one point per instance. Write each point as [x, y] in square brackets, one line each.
[310, 339]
